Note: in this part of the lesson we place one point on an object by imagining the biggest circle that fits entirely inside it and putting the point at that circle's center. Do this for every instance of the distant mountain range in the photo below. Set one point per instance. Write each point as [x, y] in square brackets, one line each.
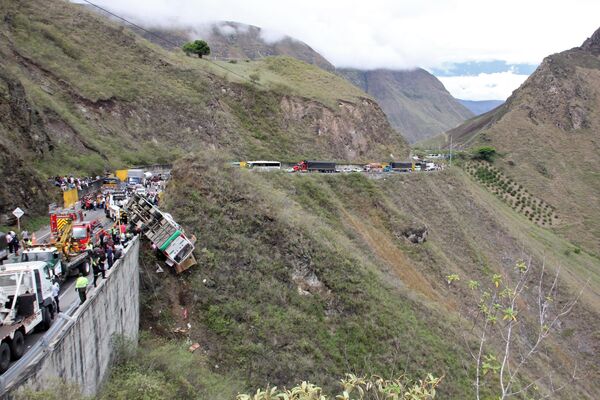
[479, 107]
[416, 102]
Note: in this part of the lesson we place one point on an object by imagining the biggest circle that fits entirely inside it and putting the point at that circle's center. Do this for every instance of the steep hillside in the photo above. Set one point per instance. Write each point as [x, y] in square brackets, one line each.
[416, 102]
[305, 277]
[68, 107]
[479, 107]
[548, 135]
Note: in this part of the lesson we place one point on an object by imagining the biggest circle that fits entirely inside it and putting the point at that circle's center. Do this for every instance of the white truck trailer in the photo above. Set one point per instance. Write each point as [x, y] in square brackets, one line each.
[163, 231]
[26, 304]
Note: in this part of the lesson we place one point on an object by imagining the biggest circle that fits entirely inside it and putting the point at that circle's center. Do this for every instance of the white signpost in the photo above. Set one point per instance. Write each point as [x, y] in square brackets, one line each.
[18, 213]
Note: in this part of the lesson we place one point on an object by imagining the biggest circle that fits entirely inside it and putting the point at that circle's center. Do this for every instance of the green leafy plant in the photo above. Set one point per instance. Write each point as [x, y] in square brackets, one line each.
[355, 388]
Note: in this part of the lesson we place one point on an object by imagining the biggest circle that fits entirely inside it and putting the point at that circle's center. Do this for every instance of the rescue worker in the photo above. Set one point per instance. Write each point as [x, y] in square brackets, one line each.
[97, 266]
[89, 248]
[81, 286]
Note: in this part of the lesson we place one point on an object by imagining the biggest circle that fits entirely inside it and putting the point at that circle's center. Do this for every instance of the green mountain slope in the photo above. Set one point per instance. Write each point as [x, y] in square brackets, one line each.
[415, 102]
[548, 135]
[305, 277]
[72, 107]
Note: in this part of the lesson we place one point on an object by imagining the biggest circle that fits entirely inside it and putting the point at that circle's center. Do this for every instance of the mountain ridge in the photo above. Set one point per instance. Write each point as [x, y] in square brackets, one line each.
[417, 113]
[478, 107]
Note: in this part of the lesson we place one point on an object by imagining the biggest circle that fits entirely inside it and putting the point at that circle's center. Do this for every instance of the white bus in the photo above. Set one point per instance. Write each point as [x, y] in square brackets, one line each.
[263, 165]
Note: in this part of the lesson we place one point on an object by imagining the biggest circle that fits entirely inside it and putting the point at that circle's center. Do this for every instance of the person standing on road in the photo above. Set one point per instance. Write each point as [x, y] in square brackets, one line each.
[81, 286]
[9, 242]
[16, 244]
[25, 237]
[110, 256]
[96, 268]
[100, 261]
[55, 292]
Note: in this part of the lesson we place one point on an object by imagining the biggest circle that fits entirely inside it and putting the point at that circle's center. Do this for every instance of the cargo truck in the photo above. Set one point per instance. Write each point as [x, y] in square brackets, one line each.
[26, 304]
[135, 176]
[315, 166]
[162, 231]
[402, 166]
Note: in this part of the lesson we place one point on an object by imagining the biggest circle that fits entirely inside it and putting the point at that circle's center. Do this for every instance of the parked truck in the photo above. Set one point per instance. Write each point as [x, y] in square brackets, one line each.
[315, 166]
[135, 176]
[402, 166]
[26, 304]
[162, 231]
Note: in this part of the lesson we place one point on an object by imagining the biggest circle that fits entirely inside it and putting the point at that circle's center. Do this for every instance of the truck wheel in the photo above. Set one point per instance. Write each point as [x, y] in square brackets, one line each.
[85, 268]
[17, 346]
[4, 357]
[46, 319]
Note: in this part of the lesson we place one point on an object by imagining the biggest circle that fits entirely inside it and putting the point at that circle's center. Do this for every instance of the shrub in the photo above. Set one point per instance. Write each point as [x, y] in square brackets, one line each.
[485, 153]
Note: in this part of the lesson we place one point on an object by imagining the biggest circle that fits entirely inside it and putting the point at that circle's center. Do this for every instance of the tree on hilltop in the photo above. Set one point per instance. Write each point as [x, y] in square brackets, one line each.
[198, 47]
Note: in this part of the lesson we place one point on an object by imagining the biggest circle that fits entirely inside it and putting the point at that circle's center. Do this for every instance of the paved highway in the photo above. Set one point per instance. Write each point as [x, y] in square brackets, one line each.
[68, 296]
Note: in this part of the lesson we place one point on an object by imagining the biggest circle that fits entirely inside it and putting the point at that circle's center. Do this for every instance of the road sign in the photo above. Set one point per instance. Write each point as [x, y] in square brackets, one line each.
[18, 212]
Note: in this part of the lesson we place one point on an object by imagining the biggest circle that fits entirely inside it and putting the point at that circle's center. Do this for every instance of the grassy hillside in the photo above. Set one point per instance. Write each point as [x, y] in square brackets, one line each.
[72, 107]
[310, 276]
[547, 137]
[416, 102]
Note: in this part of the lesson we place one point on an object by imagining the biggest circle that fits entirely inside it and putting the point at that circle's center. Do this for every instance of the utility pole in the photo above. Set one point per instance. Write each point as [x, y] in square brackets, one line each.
[450, 150]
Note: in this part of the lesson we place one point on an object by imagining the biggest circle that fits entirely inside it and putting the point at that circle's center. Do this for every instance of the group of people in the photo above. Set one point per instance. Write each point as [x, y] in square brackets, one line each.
[103, 255]
[71, 182]
[93, 202]
[14, 244]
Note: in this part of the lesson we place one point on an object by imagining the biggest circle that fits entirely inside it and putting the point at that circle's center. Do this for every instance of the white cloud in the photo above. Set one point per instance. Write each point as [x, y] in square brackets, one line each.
[396, 33]
[271, 36]
[496, 86]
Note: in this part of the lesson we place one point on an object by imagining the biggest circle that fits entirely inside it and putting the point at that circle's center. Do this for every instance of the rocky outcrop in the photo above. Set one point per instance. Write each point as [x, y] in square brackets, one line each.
[414, 234]
[353, 131]
[592, 44]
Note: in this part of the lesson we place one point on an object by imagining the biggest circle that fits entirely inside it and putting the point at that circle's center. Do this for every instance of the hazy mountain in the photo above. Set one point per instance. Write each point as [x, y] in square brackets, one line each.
[479, 107]
[416, 102]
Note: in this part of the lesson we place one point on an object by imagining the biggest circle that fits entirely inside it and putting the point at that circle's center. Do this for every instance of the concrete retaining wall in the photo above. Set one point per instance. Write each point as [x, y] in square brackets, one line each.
[82, 350]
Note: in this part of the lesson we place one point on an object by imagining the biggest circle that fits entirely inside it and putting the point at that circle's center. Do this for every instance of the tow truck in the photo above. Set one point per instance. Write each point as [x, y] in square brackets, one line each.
[67, 254]
[58, 264]
[26, 304]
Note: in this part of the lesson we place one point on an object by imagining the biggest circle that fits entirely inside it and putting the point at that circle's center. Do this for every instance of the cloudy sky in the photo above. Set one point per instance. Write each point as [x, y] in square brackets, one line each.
[480, 49]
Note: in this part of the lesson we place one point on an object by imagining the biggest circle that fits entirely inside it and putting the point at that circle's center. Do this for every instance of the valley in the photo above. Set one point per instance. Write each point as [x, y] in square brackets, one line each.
[480, 269]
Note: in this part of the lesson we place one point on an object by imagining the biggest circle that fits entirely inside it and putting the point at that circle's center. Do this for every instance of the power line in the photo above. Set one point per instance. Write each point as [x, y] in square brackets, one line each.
[166, 40]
